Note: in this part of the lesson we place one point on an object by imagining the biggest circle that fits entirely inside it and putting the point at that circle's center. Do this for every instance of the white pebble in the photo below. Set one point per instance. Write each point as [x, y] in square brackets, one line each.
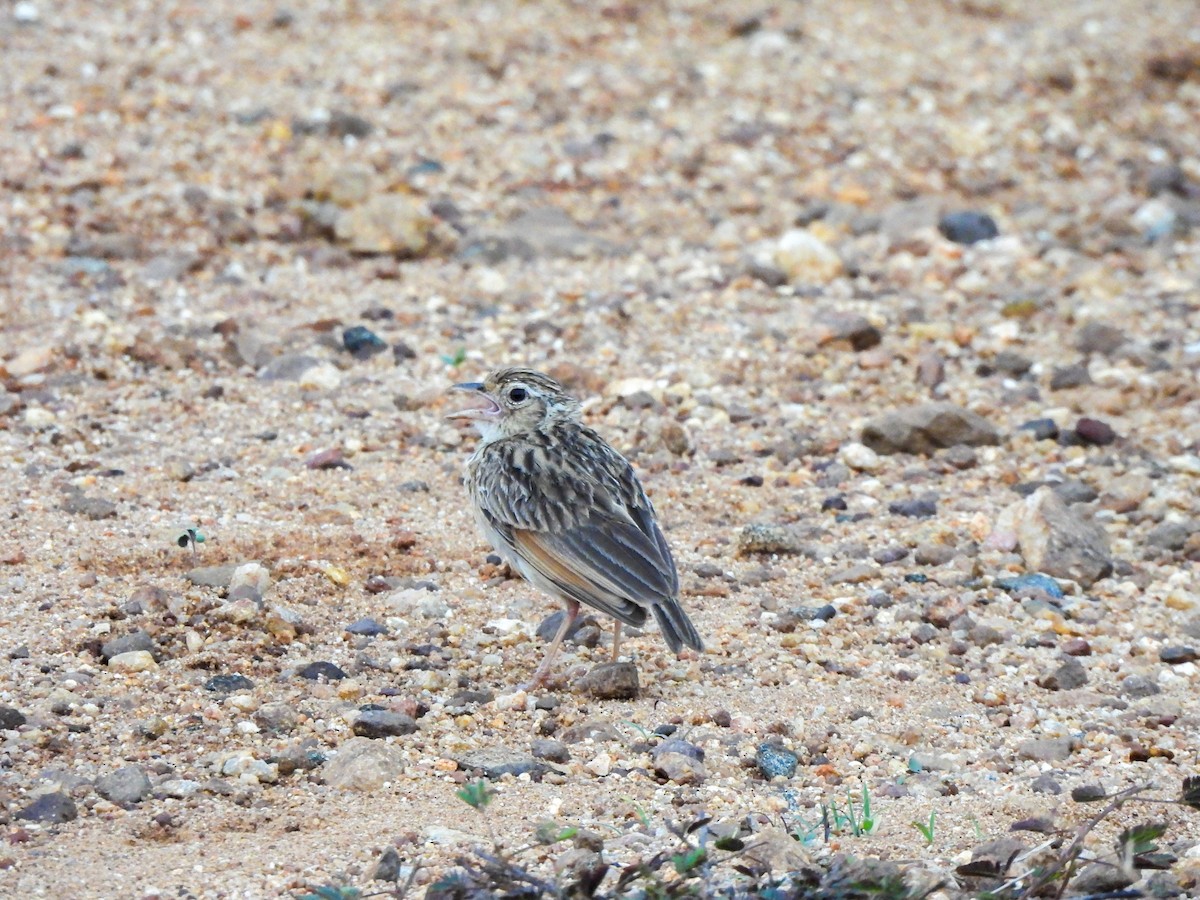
[860, 457]
[133, 661]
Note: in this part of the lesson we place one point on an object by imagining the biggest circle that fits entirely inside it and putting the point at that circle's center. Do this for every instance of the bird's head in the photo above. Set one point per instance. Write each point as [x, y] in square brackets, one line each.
[515, 401]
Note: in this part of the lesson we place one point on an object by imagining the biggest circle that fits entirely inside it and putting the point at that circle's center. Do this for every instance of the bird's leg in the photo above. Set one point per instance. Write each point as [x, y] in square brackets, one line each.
[568, 620]
[617, 641]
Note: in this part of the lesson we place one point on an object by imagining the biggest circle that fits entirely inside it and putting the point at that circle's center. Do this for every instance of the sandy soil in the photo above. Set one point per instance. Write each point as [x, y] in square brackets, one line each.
[189, 195]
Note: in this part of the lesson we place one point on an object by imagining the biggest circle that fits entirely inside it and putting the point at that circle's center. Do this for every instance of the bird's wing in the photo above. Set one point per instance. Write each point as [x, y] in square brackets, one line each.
[585, 525]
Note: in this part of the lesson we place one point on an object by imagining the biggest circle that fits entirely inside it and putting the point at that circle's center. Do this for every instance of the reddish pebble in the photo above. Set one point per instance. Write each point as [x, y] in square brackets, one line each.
[1093, 431]
[1077, 647]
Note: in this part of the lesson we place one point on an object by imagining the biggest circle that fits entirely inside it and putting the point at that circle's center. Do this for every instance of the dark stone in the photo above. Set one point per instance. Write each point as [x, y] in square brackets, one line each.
[1072, 376]
[1175, 656]
[1075, 491]
[612, 681]
[1138, 687]
[347, 124]
[771, 276]
[926, 428]
[494, 762]
[1012, 363]
[1093, 431]
[94, 508]
[466, 698]
[551, 750]
[1045, 784]
[774, 761]
[1170, 535]
[388, 867]
[887, 555]
[837, 503]
[54, 809]
[596, 731]
[968, 227]
[11, 718]
[1100, 337]
[127, 643]
[381, 723]
[129, 784]
[367, 627]
[317, 670]
[227, 684]
[549, 626]
[1043, 429]
[913, 509]
[362, 343]
[1070, 675]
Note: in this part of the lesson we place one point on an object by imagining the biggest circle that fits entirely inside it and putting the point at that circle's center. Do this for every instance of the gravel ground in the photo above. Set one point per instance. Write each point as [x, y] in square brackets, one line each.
[745, 234]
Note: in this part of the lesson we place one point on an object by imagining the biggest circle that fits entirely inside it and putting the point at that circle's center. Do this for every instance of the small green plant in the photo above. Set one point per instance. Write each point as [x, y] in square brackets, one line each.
[926, 829]
[190, 536]
[455, 359]
[477, 795]
[848, 819]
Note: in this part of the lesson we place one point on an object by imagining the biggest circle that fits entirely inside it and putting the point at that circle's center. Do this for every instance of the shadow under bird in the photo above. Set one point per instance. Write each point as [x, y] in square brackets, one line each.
[566, 510]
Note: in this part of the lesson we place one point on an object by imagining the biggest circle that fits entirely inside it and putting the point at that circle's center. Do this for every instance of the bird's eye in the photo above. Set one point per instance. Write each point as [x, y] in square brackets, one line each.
[517, 394]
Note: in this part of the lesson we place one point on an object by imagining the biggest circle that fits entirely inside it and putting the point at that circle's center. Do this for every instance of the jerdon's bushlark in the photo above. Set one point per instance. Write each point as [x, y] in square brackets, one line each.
[566, 510]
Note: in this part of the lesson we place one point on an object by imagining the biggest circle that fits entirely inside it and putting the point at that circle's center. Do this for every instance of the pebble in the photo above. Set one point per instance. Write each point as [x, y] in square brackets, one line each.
[775, 761]
[367, 627]
[769, 538]
[1056, 539]
[968, 227]
[245, 766]
[1171, 536]
[53, 809]
[362, 764]
[612, 681]
[132, 662]
[362, 343]
[806, 259]
[596, 731]
[129, 784]
[382, 723]
[94, 508]
[1012, 363]
[280, 716]
[288, 367]
[11, 718]
[316, 671]
[1031, 581]
[1042, 429]
[329, 458]
[1072, 376]
[1046, 784]
[1045, 749]
[913, 509]
[1176, 656]
[1095, 432]
[679, 768]
[135, 640]
[253, 576]
[495, 762]
[389, 223]
[926, 428]
[550, 750]
[228, 684]
[1100, 337]
[1138, 687]
[177, 788]
[860, 457]
[1068, 676]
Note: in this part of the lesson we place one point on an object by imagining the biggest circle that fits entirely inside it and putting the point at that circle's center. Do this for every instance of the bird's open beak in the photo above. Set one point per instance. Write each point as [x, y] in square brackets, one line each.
[484, 407]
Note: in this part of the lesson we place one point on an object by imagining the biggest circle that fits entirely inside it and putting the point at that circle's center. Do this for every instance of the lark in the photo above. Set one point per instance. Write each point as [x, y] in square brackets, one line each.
[566, 510]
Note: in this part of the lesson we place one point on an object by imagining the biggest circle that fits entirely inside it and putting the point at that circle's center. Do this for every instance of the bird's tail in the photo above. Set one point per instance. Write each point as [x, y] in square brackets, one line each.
[676, 627]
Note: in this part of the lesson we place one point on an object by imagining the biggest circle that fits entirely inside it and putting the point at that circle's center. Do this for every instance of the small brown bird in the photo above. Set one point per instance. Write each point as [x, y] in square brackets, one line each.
[566, 510]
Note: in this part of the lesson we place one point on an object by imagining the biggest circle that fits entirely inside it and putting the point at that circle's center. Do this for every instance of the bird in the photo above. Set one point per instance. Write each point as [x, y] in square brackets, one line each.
[566, 510]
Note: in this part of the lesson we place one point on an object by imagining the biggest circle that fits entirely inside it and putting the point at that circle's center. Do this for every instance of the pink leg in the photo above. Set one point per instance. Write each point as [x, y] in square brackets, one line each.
[543, 670]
